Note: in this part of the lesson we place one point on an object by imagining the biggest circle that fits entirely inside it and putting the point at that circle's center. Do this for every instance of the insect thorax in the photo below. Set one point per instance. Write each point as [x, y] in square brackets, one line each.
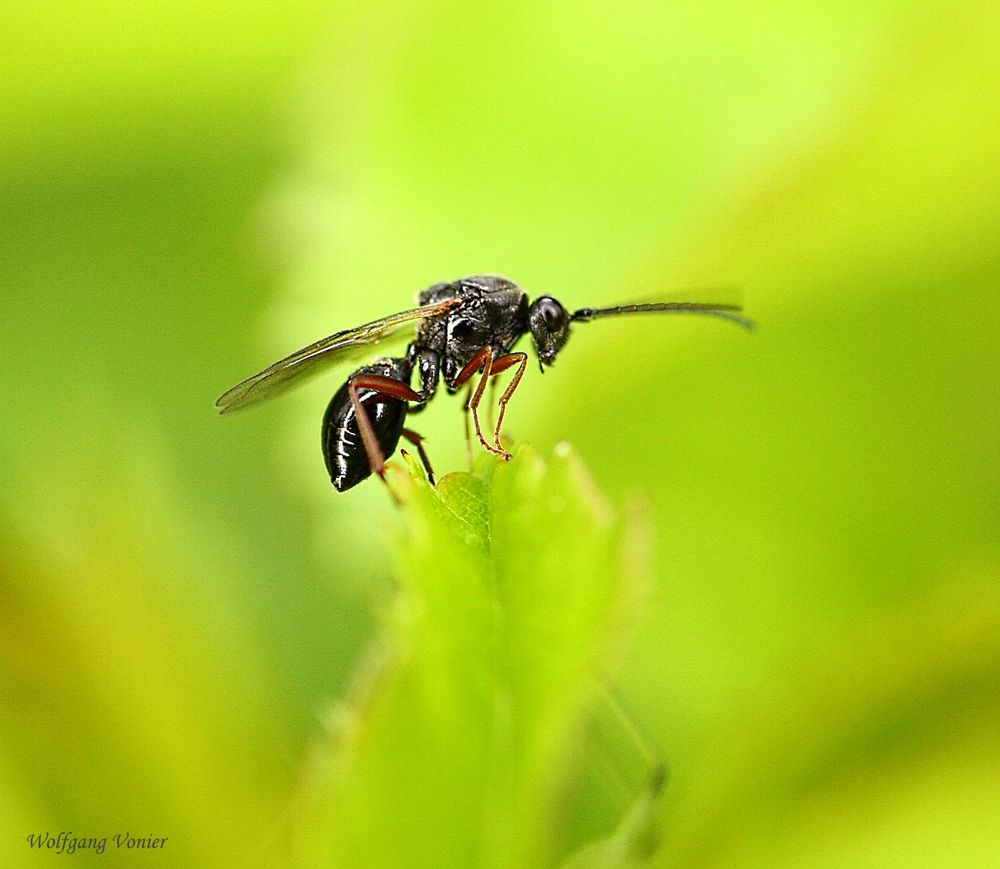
[494, 312]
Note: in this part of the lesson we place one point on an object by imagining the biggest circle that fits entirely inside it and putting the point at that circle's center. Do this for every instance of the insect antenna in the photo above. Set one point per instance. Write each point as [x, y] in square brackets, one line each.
[726, 312]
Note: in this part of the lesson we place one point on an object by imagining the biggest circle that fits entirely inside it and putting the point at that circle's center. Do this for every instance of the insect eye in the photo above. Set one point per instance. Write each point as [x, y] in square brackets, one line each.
[549, 324]
[551, 312]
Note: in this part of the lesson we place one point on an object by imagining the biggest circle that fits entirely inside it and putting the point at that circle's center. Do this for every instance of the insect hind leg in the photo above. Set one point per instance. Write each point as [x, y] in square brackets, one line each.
[386, 386]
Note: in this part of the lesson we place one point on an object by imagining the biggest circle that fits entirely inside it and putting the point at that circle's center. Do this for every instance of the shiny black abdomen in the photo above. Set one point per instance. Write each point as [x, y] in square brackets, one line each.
[344, 453]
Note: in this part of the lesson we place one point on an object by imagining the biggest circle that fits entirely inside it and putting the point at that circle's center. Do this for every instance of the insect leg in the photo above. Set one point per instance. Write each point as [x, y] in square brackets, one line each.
[465, 419]
[427, 364]
[474, 407]
[387, 386]
[499, 364]
[471, 367]
[493, 395]
[482, 361]
[418, 441]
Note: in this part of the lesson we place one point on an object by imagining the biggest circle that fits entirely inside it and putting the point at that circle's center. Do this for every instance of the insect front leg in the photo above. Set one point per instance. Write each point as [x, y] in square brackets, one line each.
[502, 363]
[491, 401]
[465, 421]
[480, 362]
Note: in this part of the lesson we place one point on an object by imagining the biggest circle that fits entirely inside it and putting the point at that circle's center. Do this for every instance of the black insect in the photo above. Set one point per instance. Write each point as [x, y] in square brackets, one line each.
[464, 328]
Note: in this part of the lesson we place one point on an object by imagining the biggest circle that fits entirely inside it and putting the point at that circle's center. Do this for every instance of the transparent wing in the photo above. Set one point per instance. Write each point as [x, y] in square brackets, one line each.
[290, 371]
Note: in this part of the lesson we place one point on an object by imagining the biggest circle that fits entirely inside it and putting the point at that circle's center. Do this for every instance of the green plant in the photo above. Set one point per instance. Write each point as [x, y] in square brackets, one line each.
[465, 741]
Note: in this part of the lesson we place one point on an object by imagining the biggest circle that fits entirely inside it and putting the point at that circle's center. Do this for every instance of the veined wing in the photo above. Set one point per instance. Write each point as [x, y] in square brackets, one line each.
[290, 371]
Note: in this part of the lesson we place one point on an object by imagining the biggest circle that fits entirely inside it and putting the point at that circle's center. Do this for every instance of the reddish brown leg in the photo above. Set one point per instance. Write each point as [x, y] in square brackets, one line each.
[502, 363]
[477, 396]
[387, 386]
[418, 441]
[473, 365]
[468, 431]
[492, 400]
[480, 362]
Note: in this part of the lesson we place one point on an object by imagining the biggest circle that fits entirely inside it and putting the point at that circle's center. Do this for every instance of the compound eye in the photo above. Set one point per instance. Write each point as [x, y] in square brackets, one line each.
[551, 311]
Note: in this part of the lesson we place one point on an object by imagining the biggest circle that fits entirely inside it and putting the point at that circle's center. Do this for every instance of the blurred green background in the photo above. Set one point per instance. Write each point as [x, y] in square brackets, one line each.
[189, 191]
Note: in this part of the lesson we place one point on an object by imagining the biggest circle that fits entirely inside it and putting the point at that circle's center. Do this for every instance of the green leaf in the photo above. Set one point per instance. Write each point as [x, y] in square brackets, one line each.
[634, 840]
[463, 741]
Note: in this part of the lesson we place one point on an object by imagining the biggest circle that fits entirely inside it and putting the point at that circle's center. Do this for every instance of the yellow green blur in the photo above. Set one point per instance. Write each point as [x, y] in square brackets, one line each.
[189, 191]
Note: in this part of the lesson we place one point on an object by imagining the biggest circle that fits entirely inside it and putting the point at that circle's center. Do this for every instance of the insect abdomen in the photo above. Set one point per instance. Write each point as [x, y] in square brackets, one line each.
[343, 450]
